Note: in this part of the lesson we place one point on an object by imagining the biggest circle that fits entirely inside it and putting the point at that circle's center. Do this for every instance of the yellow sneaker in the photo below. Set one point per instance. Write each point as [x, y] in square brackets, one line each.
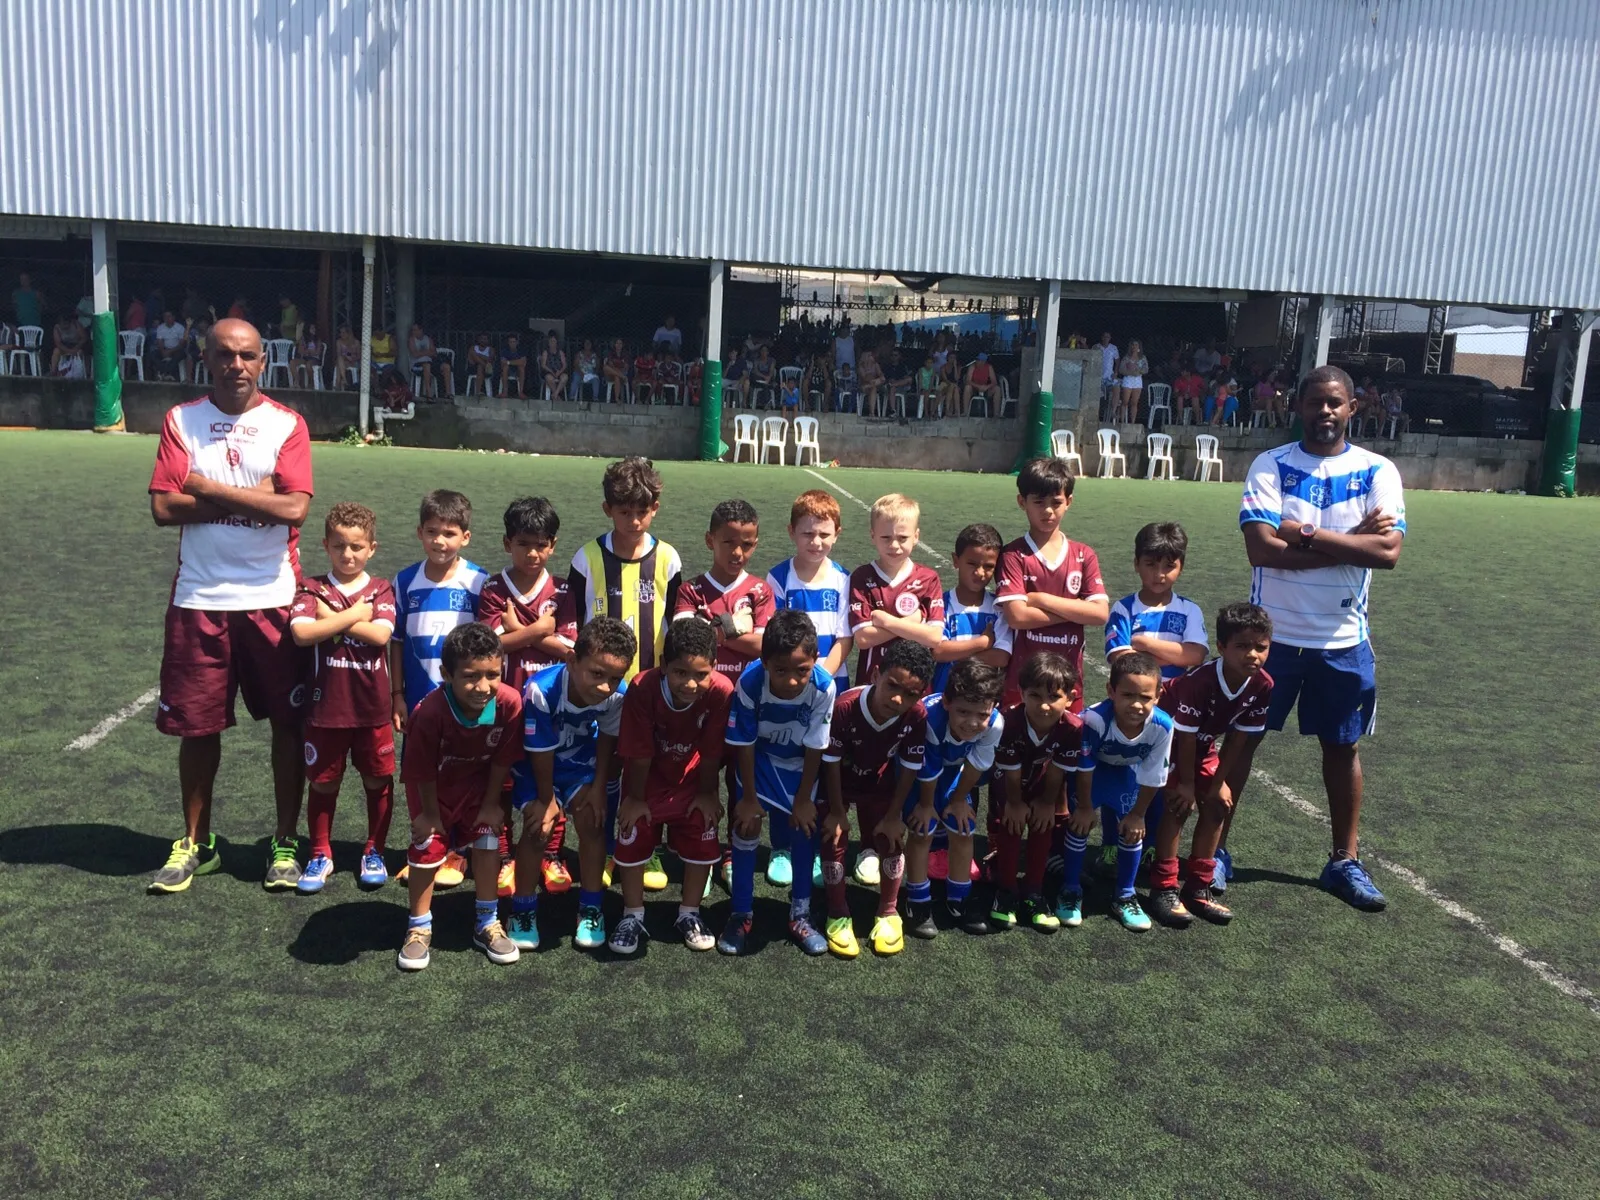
[605, 876]
[655, 876]
[506, 881]
[888, 936]
[842, 938]
[452, 873]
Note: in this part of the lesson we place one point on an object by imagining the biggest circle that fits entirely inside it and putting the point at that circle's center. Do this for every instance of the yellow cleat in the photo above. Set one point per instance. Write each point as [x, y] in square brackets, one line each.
[506, 881]
[452, 873]
[888, 935]
[842, 938]
[605, 876]
[655, 876]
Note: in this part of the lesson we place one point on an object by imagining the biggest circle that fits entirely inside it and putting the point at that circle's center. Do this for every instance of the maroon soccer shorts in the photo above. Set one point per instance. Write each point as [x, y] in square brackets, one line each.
[208, 657]
[688, 835]
[371, 750]
[461, 833]
[870, 812]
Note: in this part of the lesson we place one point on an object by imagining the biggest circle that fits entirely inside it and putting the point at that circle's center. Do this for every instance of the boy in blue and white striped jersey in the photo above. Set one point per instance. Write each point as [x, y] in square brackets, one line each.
[1155, 620]
[812, 583]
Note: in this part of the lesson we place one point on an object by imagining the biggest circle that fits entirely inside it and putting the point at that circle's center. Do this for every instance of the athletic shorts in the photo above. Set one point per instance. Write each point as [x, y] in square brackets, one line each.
[688, 835]
[870, 813]
[524, 791]
[945, 824]
[371, 749]
[209, 657]
[462, 832]
[1337, 691]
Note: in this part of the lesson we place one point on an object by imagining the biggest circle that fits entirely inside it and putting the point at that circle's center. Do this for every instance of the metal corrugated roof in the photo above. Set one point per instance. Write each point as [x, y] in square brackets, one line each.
[1431, 149]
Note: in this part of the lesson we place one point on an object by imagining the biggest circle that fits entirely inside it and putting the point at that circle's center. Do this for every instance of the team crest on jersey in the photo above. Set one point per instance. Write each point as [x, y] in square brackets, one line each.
[234, 457]
[1074, 581]
[494, 737]
[906, 604]
[547, 608]
[297, 696]
[647, 591]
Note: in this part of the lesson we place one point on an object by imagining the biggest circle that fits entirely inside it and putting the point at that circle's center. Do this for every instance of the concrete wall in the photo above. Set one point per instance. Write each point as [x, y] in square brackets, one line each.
[69, 404]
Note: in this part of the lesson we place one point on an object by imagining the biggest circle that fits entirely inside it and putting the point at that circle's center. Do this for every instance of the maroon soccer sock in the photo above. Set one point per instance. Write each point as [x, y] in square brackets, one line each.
[1164, 874]
[380, 808]
[319, 821]
[1034, 863]
[891, 867]
[558, 836]
[1007, 850]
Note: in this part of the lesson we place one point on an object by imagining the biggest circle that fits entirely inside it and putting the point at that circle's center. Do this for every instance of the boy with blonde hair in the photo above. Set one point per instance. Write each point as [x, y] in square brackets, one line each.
[893, 597]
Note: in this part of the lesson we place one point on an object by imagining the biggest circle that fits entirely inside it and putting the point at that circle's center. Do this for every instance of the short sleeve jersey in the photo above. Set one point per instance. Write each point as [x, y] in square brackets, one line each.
[966, 621]
[235, 563]
[917, 593]
[1324, 608]
[781, 730]
[553, 724]
[444, 749]
[1075, 575]
[867, 751]
[826, 600]
[1148, 753]
[675, 740]
[1179, 620]
[639, 592]
[349, 677]
[1200, 703]
[1030, 754]
[707, 599]
[428, 611]
[547, 597]
[944, 757]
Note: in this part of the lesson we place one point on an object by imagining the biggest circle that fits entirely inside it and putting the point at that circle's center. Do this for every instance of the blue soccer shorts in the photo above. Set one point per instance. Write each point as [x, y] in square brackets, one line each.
[1337, 691]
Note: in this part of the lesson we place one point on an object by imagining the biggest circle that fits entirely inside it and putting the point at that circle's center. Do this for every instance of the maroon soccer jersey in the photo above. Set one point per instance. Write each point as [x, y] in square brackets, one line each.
[456, 758]
[673, 739]
[1199, 702]
[704, 597]
[548, 596]
[866, 751]
[1023, 750]
[917, 595]
[349, 677]
[1073, 576]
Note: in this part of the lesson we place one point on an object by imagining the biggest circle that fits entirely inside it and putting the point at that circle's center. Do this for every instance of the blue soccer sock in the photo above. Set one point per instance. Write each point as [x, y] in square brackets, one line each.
[743, 885]
[919, 893]
[1073, 851]
[957, 893]
[780, 834]
[802, 853]
[590, 899]
[525, 904]
[425, 921]
[1128, 857]
[484, 914]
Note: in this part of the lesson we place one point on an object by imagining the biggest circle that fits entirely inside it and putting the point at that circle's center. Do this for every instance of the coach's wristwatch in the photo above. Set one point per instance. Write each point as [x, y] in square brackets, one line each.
[1307, 532]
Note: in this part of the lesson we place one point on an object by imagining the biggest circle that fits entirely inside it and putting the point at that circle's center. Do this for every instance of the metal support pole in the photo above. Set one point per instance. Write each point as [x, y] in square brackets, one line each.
[99, 242]
[369, 252]
[1042, 402]
[103, 336]
[1433, 355]
[711, 447]
[1319, 333]
[1558, 475]
[405, 304]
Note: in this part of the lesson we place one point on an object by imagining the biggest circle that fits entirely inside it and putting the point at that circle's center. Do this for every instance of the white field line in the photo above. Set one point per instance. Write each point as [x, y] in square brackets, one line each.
[99, 733]
[1568, 987]
[921, 545]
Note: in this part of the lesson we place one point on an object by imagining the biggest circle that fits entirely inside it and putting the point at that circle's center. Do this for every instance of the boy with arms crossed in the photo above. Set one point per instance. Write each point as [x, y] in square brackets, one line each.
[893, 597]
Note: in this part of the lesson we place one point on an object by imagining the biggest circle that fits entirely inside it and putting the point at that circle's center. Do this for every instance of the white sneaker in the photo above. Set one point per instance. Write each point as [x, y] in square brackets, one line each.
[867, 868]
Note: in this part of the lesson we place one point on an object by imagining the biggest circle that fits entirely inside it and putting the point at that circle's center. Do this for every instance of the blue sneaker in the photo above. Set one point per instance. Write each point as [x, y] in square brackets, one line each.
[591, 933]
[1069, 909]
[316, 874]
[736, 932]
[1347, 879]
[1129, 915]
[1223, 874]
[805, 935]
[374, 872]
[523, 930]
[780, 871]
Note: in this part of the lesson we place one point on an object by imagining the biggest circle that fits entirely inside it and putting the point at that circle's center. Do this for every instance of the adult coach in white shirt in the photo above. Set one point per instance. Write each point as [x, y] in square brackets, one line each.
[1319, 516]
[233, 473]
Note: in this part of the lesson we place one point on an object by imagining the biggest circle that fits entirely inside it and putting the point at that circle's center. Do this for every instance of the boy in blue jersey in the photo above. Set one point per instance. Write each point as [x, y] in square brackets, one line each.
[1122, 764]
[812, 583]
[572, 714]
[964, 728]
[1155, 620]
[779, 726]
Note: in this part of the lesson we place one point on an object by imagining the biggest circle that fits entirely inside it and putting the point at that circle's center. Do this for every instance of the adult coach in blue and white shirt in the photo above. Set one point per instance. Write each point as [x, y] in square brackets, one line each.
[1318, 518]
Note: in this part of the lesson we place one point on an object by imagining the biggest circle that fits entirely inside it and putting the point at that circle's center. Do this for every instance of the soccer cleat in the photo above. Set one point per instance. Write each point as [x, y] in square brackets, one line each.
[492, 940]
[628, 936]
[1129, 915]
[780, 869]
[1347, 879]
[734, 934]
[452, 872]
[1069, 909]
[868, 869]
[591, 934]
[969, 916]
[1036, 914]
[920, 918]
[888, 935]
[1202, 904]
[1003, 912]
[1167, 907]
[188, 859]
[523, 930]
[283, 867]
[1222, 876]
[414, 955]
[319, 869]
[804, 934]
[557, 878]
[655, 875]
[374, 871]
[505, 883]
[605, 875]
[725, 871]
[938, 864]
[816, 873]
[842, 937]
[691, 927]
[403, 874]
[1106, 864]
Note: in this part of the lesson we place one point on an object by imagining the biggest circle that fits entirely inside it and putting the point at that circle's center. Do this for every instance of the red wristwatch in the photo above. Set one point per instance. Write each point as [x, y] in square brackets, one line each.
[1307, 532]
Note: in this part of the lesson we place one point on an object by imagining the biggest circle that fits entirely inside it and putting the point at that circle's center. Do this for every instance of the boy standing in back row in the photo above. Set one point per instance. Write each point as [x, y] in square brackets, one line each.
[893, 597]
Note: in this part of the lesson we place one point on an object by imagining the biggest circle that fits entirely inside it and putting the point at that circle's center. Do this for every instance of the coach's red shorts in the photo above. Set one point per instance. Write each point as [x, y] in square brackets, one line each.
[371, 749]
[462, 832]
[208, 657]
[688, 835]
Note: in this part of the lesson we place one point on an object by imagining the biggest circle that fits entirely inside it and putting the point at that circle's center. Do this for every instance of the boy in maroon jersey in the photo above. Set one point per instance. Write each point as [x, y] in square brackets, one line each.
[1049, 587]
[1037, 750]
[534, 618]
[1227, 696]
[674, 721]
[460, 743]
[893, 597]
[875, 750]
[347, 617]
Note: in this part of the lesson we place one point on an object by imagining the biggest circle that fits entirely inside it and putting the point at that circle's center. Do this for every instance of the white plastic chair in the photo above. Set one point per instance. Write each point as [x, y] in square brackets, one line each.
[774, 436]
[1158, 447]
[1160, 398]
[417, 387]
[201, 373]
[1064, 445]
[900, 398]
[132, 350]
[1111, 455]
[1206, 457]
[280, 351]
[744, 434]
[1007, 400]
[30, 337]
[805, 438]
[769, 389]
[488, 383]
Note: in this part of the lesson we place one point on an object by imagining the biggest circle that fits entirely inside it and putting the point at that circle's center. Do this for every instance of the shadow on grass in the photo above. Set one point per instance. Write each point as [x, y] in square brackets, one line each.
[1245, 875]
[97, 848]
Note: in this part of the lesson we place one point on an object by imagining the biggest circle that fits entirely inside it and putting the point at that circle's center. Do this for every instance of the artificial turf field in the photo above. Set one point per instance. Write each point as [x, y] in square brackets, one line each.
[228, 1041]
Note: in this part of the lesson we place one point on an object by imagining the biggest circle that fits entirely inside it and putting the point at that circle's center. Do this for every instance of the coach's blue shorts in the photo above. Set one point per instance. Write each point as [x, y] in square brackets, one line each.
[1337, 691]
